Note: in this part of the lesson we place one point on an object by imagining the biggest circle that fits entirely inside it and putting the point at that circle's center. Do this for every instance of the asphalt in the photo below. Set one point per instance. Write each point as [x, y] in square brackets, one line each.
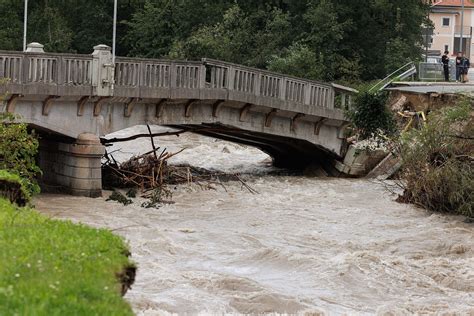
[432, 87]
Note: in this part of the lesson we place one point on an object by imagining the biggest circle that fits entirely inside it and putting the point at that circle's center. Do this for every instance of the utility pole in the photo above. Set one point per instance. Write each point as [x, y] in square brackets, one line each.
[25, 25]
[426, 44]
[461, 46]
[114, 37]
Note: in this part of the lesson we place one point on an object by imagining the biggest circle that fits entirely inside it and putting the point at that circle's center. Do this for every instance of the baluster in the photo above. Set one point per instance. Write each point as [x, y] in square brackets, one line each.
[10, 68]
[153, 74]
[7, 70]
[237, 79]
[219, 77]
[265, 85]
[2, 68]
[173, 75]
[188, 77]
[196, 77]
[158, 69]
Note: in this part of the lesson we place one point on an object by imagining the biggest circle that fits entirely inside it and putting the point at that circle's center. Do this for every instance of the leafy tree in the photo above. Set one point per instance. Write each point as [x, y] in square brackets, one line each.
[229, 40]
[11, 25]
[152, 30]
[155, 27]
[50, 28]
[299, 60]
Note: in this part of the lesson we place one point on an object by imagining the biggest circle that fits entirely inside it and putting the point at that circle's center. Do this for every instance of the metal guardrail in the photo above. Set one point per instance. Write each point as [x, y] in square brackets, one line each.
[403, 72]
[135, 73]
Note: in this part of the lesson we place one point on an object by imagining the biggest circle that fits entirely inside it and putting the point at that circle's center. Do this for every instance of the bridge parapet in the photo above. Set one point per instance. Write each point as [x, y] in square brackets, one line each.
[232, 77]
[94, 75]
[50, 74]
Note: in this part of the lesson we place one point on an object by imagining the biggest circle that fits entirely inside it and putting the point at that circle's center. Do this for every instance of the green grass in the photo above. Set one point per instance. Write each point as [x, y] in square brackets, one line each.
[51, 267]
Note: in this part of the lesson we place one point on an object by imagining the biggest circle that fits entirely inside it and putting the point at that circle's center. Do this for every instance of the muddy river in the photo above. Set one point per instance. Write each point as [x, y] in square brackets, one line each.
[301, 245]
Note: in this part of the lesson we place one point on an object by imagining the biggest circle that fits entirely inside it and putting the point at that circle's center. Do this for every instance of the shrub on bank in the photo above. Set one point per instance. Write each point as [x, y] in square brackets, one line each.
[14, 188]
[18, 150]
[51, 267]
[438, 162]
[370, 116]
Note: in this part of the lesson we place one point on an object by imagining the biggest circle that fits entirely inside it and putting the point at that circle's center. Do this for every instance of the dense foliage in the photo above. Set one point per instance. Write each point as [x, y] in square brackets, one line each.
[18, 150]
[438, 160]
[50, 267]
[370, 115]
[319, 39]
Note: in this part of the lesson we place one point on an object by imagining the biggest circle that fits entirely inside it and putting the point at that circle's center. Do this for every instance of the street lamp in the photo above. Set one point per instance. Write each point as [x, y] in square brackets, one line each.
[25, 25]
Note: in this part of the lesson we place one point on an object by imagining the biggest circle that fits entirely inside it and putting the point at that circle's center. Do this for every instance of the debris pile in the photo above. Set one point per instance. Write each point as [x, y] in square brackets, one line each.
[151, 174]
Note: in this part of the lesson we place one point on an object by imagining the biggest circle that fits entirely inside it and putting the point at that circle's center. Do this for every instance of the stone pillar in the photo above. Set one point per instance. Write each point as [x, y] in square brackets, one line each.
[102, 71]
[35, 48]
[73, 168]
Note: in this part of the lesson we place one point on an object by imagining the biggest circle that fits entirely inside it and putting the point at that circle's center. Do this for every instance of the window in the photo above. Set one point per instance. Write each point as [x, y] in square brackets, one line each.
[446, 48]
[446, 21]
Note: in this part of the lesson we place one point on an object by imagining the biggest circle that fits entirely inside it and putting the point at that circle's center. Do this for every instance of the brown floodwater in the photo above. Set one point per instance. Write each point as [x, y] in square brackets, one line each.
[301, 245]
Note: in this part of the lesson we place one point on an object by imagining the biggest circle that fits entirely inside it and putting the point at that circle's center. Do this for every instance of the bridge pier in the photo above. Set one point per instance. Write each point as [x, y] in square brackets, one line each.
[72, 168]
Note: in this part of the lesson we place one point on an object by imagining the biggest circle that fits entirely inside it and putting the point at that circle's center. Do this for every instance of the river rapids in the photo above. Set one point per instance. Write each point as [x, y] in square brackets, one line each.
[308, 246]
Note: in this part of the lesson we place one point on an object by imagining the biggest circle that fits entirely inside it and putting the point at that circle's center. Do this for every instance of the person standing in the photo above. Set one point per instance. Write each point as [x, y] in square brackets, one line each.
[459, 67]
[466, 64]
[445, 61]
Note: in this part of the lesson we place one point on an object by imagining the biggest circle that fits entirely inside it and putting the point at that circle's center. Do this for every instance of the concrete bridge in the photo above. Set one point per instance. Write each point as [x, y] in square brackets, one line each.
[74, 99]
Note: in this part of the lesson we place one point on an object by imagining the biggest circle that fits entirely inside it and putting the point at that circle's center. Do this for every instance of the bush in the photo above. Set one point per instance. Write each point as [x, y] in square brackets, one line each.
[438, 171]
[14, 188]
[18, 150]
[370, 114]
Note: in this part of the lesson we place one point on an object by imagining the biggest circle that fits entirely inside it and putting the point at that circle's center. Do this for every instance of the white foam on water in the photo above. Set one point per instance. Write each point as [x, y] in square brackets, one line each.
[199, 151]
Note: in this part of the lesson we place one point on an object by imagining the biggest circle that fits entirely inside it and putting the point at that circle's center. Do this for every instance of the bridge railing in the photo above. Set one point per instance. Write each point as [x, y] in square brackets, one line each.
[59, 69]
[11, 66]
[136, 77]
[156, 73]
[223, 75]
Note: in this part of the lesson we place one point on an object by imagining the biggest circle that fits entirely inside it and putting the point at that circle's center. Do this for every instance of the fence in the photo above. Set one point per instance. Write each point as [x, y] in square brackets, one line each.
[435, 71]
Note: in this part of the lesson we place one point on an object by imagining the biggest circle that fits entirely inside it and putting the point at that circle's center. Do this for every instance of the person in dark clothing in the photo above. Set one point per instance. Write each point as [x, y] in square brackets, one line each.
[459, 67]
[465, 64]
[445, 61]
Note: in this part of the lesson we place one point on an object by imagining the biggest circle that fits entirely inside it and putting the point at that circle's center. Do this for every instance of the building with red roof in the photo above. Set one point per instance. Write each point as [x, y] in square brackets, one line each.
[446, 17]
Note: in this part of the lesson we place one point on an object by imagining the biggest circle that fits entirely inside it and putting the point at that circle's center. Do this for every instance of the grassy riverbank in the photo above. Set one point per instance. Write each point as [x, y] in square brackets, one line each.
[51, 267]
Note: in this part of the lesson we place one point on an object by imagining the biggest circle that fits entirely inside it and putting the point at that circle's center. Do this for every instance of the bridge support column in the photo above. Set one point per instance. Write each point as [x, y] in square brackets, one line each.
[73, 168]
